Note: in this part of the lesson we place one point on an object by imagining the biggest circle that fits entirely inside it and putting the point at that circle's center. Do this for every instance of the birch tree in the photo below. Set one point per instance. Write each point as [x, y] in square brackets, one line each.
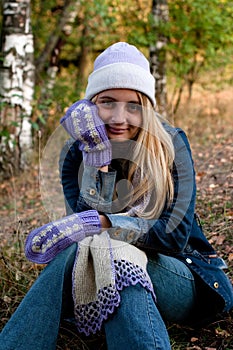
[17, 85]
[160, 14]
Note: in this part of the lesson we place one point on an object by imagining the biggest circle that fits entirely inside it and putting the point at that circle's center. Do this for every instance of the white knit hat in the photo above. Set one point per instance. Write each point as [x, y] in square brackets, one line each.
[121, 66]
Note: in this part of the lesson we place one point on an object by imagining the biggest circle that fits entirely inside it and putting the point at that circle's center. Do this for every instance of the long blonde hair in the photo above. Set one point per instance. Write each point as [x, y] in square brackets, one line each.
[153, 155]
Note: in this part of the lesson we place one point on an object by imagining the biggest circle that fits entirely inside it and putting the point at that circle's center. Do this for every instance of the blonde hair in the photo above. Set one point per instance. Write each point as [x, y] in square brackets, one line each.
[153, 155]
[153, 158]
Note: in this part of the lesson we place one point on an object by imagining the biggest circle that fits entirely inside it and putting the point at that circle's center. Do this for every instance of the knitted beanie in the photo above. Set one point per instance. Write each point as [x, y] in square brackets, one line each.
[121, 66]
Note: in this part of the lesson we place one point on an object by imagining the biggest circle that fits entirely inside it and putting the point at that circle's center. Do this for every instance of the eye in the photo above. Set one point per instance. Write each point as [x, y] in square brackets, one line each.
[108, 104]
[134, 108]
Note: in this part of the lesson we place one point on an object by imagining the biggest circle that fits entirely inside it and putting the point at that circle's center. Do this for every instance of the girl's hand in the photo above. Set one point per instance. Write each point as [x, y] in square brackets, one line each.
[83, 123]
[104, 222]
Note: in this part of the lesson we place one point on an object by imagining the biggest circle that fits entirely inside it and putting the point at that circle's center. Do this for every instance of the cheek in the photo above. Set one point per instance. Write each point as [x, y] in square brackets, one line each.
[103, 114]
[136, 121]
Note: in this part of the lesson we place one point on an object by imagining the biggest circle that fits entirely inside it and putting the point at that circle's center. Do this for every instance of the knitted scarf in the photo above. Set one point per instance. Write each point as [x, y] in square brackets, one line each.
[102, 268]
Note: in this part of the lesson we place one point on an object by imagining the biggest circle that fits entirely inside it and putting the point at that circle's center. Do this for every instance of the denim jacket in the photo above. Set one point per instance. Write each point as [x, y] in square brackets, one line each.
[177, 232]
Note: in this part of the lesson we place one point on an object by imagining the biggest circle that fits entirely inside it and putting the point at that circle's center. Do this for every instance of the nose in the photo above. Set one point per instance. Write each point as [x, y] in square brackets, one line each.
[119, 113]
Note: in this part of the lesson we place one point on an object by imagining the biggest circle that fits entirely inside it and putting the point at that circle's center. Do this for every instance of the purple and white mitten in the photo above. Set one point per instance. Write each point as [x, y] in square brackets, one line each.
[45, 242]
[83, 123]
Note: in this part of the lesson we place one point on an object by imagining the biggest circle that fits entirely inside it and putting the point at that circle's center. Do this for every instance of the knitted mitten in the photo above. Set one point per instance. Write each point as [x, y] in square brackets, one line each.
[82, 122]
[45, 242]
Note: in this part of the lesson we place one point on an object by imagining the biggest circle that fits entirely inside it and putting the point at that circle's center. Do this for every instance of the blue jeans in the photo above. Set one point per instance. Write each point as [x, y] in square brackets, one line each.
[138, 323]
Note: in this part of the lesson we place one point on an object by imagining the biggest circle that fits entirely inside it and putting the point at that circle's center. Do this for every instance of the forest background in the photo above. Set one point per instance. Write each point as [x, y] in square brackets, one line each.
[47, 52]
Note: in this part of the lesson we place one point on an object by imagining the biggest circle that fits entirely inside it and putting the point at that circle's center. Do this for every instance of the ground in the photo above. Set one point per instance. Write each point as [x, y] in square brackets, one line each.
[208, 124]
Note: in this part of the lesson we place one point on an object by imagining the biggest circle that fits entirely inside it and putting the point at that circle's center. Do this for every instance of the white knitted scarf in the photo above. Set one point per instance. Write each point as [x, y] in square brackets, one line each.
[103, 267]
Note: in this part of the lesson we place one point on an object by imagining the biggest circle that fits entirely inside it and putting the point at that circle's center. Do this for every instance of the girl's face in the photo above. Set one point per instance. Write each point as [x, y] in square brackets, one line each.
[121, 111]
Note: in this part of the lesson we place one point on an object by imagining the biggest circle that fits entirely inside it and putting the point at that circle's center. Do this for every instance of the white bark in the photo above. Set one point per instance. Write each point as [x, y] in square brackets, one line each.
[17, 72]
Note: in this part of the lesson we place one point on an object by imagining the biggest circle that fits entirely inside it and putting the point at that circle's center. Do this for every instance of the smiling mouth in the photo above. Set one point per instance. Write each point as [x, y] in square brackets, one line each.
[117, 131]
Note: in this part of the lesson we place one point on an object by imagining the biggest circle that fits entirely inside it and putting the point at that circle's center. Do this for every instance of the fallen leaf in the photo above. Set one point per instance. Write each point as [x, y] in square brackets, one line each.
[222, 332]
[7, 299]
[194, 339]
[230, 257]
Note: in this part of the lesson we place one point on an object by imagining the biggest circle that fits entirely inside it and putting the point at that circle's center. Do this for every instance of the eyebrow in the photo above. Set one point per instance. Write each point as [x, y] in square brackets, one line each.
[106, 97]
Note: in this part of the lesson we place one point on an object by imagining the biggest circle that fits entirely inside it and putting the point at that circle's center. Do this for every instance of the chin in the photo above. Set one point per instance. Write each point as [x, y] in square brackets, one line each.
[119, 139]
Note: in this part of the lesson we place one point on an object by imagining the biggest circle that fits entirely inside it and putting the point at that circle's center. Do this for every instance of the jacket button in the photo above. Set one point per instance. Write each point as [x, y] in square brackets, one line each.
[216, 285]
[189, 261]
[92, 192]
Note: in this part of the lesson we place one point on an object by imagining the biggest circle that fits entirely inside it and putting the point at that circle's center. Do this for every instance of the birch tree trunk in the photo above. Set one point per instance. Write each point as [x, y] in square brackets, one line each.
[17, 85]
[160, 13]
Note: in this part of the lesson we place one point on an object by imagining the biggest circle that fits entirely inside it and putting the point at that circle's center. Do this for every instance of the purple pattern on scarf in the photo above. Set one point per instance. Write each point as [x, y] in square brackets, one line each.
[90, 317]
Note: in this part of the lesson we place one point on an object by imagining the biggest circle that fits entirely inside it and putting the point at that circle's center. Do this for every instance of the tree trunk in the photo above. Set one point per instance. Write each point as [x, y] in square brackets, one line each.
[83, 61]
[64, 25]
[17, 85]
[158, 55]
[51, 54]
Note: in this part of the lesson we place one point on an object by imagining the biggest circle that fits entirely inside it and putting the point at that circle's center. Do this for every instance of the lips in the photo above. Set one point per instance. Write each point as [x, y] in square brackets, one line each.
[117, 131]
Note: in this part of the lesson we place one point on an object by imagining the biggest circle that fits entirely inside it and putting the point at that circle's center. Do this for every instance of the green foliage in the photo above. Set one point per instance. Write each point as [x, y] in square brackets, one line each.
[40, 120]
[95, 27]
[199, 38]
[6, 128]
[200, 35]
[44, 15]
